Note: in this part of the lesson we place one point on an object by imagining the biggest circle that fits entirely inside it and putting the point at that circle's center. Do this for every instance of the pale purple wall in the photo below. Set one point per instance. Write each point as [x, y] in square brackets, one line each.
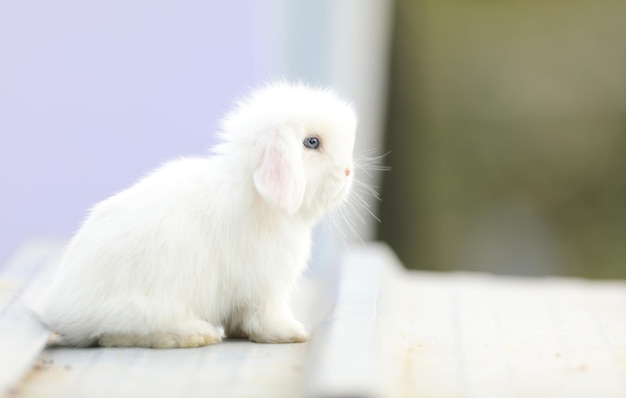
[94, 95]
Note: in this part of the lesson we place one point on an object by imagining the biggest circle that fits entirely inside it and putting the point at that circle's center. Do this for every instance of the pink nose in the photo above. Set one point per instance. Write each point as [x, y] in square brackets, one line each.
[348, 171]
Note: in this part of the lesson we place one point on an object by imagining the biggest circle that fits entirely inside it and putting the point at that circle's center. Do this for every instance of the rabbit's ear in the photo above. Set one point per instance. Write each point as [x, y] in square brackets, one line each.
[280, 178]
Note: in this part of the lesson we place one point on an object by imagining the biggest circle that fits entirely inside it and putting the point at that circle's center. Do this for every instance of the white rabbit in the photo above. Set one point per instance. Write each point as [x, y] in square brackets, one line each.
[210, 242]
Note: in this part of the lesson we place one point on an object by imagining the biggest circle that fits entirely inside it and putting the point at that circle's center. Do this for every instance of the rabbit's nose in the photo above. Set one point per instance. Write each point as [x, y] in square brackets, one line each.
[348, 172]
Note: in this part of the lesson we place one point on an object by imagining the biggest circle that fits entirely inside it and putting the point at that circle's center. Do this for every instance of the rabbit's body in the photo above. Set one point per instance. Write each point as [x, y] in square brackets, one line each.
[206, 242]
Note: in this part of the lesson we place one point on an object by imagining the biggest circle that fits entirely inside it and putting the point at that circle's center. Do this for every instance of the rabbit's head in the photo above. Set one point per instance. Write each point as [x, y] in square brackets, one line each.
[302, 140]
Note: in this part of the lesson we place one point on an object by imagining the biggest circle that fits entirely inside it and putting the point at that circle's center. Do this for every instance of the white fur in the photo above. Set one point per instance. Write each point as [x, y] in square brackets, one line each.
[204, 243]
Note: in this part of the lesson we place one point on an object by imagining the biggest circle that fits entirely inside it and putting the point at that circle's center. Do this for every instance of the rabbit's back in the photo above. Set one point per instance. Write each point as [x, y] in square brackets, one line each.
[147, 244]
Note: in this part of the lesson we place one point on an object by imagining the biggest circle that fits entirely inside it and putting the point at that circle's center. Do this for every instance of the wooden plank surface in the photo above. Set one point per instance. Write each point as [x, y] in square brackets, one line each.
[22, 337]
[376, 330]
[475, 335]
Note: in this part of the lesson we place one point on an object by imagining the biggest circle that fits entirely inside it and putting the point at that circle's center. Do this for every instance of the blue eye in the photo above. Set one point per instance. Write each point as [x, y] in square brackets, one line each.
[312, 142]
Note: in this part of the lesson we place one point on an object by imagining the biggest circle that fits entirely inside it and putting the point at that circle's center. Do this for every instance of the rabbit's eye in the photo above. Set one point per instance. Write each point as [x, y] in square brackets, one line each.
[312, 142]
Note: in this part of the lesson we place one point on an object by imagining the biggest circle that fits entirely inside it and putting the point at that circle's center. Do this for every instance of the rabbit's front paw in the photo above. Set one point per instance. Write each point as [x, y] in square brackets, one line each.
[273, 330]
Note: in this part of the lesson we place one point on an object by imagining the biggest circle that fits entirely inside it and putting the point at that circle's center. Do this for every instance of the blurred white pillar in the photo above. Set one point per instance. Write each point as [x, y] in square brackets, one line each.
[343, 44]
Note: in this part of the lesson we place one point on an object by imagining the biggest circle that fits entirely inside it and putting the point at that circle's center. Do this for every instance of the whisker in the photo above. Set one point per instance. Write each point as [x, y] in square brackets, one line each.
[352, 207]
[365, 161]
[333, 224]
[366, 188]
[367, 208]
[352, 228]
[373, 167]
[373, 154]
[357, 207]
[360, 200]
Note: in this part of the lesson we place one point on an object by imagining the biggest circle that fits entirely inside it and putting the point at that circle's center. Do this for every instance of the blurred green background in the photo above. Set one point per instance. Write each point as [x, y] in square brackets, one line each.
[507, 131]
